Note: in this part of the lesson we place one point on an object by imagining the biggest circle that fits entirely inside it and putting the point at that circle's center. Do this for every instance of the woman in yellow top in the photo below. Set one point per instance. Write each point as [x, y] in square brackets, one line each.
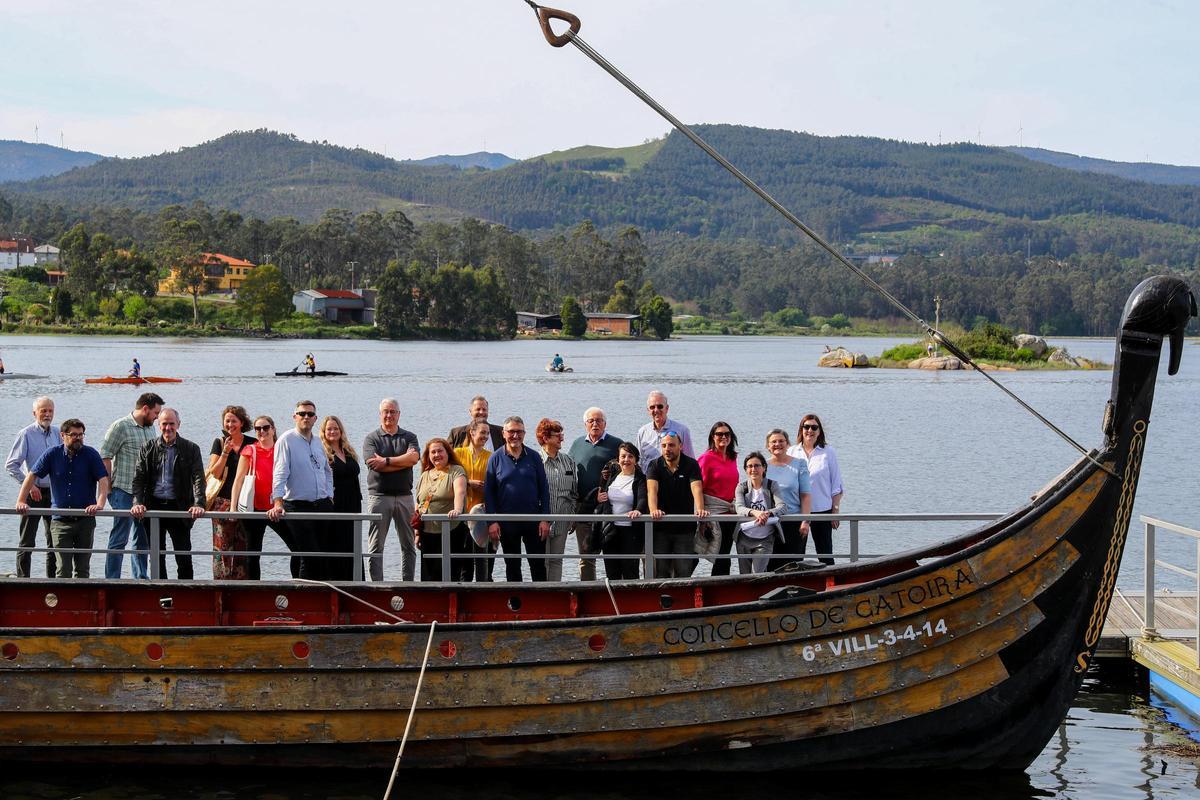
[473, 456]
[442, 490]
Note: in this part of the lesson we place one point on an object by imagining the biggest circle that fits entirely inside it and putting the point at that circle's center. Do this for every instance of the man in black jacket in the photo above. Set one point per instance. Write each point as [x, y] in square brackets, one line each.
[170, 477]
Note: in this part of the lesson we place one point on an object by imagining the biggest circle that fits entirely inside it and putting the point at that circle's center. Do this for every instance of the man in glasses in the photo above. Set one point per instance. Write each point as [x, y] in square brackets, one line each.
[78, 480]
[649, 434]
[302, 482]
[591, 452]
[515, 483]
[32, 441]
[170, 477]
[390, 453]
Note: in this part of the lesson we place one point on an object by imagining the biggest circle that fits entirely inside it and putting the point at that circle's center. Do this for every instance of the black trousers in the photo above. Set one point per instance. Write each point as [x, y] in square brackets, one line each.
[627, 541]
[793, 542]
[512, 534]
[822, 536]
[461, 569]
[28, 534]
[256, 529]
[180, 531]
[306, 537]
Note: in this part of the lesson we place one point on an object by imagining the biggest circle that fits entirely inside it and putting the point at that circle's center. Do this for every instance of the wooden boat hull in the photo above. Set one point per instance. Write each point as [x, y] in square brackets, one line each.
[964, 655]
[133, 381]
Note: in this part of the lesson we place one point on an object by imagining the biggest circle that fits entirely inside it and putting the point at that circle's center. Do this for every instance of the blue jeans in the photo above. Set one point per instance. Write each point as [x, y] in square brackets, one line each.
[122, 500]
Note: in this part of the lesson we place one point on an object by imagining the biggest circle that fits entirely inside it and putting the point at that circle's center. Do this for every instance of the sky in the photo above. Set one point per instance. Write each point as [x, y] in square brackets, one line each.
[1114, 80]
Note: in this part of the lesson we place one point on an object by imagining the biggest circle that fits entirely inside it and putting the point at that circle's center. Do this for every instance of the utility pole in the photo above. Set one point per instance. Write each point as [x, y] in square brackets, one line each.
[352, 265]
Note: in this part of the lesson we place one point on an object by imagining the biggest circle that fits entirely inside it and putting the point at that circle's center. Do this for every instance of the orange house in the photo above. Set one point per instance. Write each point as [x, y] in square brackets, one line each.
[225, 273]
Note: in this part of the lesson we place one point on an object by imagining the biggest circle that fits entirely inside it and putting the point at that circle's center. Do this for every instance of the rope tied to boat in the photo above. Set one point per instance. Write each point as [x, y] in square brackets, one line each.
[411, 711]
[546, 15]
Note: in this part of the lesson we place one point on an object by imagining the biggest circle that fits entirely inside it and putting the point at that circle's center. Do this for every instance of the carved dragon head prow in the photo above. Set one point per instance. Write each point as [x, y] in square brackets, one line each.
[1161, 306]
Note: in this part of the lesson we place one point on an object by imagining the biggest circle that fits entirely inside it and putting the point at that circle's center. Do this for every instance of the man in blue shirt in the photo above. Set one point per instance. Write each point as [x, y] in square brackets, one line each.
[78, 480]
[515, 483]
[302, 481]
[31, 442]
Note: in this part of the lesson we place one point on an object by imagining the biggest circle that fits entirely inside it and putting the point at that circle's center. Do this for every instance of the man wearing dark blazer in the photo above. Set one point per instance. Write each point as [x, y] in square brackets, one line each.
[478, 411]
[170, 477]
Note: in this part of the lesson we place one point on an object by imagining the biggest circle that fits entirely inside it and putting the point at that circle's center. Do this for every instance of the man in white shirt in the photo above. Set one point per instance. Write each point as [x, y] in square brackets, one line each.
[302, 482]
[649, 434]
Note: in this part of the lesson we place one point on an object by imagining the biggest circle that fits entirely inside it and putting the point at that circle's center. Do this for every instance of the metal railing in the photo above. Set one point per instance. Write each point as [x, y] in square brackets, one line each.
[647, 556]
[1153, 525]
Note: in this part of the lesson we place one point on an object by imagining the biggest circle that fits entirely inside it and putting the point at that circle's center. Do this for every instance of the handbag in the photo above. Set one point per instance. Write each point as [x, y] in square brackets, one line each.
[212, 488]
[245, 500]
[708, 541]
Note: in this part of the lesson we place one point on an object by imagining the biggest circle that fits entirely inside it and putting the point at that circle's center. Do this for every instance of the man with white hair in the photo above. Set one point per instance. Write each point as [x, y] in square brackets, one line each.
[170, 477]
[591, 452]
[390, 452]
[31, 442]
[648, 435]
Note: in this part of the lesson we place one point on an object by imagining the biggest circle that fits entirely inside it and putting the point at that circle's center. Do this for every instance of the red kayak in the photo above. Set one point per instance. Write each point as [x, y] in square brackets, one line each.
[131, 380]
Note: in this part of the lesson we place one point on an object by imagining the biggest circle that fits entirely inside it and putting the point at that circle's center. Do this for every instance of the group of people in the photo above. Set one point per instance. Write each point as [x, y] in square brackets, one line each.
[478, 468]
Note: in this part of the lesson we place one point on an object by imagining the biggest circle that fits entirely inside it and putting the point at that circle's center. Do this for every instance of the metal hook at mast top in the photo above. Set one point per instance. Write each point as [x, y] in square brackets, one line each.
[544, 16]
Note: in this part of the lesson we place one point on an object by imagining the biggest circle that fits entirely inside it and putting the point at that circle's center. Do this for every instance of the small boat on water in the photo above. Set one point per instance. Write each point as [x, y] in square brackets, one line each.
[320, 373]
[562, 368]
[129, 379]
[961, 655]
[12, 376]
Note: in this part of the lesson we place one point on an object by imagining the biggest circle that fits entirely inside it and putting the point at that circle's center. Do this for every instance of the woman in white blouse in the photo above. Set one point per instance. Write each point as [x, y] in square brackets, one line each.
[825, 477]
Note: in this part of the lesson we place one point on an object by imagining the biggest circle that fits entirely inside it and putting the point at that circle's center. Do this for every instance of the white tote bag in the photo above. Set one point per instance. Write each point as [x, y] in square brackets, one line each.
[245, 500]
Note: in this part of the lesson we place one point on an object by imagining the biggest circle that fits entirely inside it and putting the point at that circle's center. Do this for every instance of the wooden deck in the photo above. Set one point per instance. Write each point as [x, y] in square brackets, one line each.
[1174, 618]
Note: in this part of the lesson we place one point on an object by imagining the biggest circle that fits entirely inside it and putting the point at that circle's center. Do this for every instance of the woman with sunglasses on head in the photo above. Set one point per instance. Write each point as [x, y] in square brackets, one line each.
[257, 463]
[337, 537]
[228, 534]
[790, 474]
[719, 479]
[825, 476]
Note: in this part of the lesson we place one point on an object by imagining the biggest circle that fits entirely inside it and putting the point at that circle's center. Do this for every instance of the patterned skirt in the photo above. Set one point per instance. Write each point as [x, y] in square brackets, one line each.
[228, 535]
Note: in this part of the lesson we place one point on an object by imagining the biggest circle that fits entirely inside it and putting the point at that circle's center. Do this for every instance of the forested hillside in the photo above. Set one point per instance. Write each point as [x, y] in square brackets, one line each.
[1143, 171]
[22, 161]
[869, 194]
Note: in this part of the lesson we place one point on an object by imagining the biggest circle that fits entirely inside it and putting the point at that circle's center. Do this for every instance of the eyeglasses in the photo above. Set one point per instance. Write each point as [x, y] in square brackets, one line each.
[390, 412]
[666, 434]
[656, 406]
[514, 433]
[262, 427]
[754, 465]
[73, 435]
[306, 413]
[592, 421]
[722, 434]
[810, 427]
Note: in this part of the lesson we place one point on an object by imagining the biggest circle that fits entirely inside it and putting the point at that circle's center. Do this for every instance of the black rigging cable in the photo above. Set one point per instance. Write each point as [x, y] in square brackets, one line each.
[571, 36]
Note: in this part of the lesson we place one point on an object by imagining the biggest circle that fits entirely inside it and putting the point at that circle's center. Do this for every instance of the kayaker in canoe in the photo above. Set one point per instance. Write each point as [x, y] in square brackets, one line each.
[556, 363]
[310, 364]
[136, 370]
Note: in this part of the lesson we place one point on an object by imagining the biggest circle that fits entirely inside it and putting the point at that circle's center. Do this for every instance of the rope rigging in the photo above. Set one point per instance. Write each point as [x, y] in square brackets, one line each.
[571, 36]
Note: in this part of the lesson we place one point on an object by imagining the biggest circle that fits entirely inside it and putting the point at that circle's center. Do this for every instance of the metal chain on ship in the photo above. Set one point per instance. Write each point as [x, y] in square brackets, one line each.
[571, 36]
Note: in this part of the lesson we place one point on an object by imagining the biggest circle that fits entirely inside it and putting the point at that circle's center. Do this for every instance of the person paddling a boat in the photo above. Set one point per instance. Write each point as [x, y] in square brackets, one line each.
[136, 370]
[556, 363]
[310, 364]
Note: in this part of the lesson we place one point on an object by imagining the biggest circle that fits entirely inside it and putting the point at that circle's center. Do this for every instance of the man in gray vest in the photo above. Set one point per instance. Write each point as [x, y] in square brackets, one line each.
[32, 441]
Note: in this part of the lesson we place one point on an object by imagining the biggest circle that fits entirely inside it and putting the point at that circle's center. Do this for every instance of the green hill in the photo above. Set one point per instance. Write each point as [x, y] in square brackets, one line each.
[868, 194]
[22, 161]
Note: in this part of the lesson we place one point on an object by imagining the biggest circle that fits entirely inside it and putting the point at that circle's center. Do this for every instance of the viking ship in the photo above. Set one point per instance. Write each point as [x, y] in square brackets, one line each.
[966, 654]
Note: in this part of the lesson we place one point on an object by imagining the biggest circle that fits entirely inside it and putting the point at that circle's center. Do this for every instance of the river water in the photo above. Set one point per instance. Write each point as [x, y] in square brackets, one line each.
[908, 441]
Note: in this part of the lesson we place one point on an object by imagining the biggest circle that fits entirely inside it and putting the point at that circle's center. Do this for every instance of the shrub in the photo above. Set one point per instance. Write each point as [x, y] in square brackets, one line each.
[904, 352]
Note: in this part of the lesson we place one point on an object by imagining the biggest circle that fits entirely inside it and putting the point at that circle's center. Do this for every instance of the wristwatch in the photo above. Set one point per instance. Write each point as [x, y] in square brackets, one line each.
[387, 461]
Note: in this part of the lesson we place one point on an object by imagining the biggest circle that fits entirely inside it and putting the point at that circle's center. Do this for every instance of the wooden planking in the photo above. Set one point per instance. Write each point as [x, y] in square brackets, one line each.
[1173, 660]
[813, 704]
